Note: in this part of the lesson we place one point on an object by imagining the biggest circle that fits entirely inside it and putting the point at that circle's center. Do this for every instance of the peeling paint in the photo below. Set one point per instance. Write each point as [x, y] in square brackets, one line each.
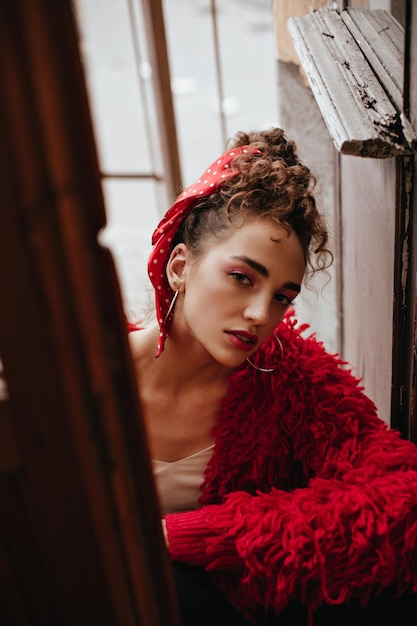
[406, 208]
[405, 262]
[389, 126]
[361, 118]
[368, 101]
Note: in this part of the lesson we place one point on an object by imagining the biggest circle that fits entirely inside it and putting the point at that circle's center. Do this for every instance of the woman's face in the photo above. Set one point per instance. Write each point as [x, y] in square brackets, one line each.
[236, 293]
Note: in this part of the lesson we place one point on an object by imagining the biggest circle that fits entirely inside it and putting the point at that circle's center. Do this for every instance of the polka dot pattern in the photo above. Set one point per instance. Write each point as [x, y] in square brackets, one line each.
[164, 233]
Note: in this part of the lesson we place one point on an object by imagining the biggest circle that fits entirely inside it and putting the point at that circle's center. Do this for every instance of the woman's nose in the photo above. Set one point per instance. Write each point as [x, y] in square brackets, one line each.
[258, 310]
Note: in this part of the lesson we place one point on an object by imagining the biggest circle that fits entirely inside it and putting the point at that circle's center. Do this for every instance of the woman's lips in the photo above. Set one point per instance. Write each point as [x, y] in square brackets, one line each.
[242, 339]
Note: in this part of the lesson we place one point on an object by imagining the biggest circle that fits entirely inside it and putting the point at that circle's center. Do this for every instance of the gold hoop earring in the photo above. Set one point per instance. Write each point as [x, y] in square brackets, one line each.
[171, 306]
[272, 369]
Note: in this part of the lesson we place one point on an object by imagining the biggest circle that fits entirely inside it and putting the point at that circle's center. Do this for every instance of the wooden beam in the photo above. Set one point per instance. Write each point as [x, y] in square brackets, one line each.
[89, 526]
[161, 80]
[361, 118]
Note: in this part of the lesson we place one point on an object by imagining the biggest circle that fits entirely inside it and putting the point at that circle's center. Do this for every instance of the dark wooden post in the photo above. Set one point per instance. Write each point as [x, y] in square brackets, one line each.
[80, 538]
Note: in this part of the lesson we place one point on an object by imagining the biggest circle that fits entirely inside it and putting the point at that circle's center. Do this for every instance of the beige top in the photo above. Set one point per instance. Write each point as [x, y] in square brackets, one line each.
[178, 482]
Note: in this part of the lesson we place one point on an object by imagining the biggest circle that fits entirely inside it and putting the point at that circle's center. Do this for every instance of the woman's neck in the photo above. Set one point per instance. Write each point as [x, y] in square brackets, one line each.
[180, 367]
[180, 395]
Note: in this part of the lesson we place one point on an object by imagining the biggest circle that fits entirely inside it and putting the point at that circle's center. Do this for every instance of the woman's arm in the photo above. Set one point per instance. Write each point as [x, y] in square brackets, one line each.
[325, 542]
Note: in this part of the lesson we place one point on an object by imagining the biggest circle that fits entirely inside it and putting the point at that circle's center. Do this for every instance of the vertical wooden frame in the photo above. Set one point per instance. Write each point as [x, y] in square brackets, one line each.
[404, 300]
[410, 109]
[79, 513]
[377, 211]
[155, 28]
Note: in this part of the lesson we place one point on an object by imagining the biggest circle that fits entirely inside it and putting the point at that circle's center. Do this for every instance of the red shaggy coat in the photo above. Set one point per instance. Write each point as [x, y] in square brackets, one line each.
[308, 495]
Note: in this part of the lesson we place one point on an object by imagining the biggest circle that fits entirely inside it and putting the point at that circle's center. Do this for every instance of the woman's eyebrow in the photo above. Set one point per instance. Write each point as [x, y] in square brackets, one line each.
[293, 287]
[258, 267]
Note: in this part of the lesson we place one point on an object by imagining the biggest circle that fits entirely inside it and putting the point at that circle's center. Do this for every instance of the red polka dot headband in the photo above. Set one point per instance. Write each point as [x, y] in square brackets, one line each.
[164, 233]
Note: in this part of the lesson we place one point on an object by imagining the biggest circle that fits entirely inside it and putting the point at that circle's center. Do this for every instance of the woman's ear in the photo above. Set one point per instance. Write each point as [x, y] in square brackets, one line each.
[175, 267]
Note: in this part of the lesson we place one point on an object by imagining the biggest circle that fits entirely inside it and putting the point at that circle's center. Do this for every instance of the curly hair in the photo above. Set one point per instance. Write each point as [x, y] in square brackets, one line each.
[271, 184]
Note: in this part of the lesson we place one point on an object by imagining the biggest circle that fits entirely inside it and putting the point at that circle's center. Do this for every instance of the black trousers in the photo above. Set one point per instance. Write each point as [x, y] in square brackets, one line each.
[201, 604]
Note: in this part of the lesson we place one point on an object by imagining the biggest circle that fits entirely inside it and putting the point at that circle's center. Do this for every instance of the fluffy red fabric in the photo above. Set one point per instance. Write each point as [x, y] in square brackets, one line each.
[308, 495]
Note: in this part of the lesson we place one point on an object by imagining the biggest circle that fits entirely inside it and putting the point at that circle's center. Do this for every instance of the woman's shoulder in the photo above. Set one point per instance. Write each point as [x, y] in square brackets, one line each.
[131, 326]
[142, 341]
[320, 374]
[306, 358]
[301, 345]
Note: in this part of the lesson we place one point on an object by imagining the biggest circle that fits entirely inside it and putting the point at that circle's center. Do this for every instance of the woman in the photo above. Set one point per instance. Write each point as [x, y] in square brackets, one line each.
[283, 495]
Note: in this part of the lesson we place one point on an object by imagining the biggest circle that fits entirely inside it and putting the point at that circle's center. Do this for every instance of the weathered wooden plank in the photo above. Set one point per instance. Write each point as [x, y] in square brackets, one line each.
[404, 290]
[367, 223]
[361, 118]
[381, 39]
[410, 106]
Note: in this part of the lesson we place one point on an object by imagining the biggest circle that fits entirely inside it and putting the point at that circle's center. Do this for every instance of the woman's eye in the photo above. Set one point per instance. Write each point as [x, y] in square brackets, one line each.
[281, 298]
[241, 278]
